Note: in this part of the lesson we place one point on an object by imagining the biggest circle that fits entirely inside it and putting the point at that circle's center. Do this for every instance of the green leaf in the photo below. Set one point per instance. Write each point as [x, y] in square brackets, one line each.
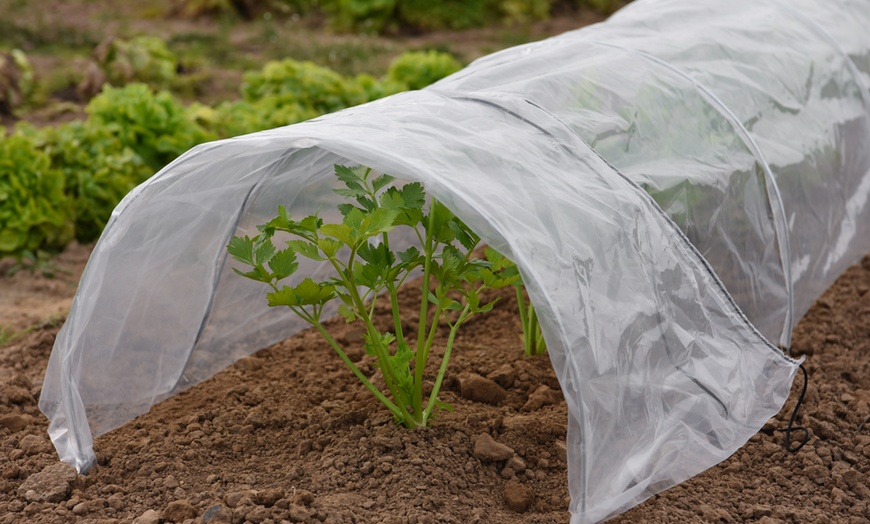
[414, 195]
[329, 246]
[487, 307]
[242, 249]
[392, 199]
[441, 217]
[381, 181]
[464, 234]
[376, 254]
[346, 312]
[310, 292]
[497, 260]
[306, 249]
[340, 232]
[257, 274]
[351, 180]
[281, 222]
[283, 263]
[347, 175]
[283, 297]
[410, 255]
[344, 209]
[409, 201]
[451, 305]
[264, 250]
[379, 221]
[307, 293]
[368, 275]
[309, 224]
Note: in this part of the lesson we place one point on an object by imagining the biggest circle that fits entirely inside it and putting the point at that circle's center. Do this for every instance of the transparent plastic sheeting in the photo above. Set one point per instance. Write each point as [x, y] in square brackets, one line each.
[677, 185]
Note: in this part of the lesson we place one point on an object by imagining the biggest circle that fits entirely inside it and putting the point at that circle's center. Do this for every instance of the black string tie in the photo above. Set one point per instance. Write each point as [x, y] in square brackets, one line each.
[791, 427]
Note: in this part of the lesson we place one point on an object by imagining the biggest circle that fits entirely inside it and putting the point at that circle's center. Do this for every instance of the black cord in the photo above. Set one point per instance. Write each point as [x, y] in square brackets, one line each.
[791, 427]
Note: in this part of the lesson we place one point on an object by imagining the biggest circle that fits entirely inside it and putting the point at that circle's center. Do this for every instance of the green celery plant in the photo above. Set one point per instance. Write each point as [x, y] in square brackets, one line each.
[504, 268]
[367, 270]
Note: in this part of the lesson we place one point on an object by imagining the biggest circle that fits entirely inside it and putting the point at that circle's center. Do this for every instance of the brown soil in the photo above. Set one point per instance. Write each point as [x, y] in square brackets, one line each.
[288, 435]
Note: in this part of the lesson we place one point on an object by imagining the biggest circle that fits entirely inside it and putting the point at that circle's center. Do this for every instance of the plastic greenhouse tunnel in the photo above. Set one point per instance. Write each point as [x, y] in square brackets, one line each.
[677, 186]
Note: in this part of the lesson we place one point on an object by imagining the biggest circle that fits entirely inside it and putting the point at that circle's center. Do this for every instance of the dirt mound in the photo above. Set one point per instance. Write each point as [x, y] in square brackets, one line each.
[288, 435]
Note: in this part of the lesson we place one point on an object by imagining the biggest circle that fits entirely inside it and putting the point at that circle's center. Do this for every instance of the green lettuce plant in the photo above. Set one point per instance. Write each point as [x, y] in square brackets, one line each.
[154, 125]
[367, 270]
[418, 69]
[35, 211]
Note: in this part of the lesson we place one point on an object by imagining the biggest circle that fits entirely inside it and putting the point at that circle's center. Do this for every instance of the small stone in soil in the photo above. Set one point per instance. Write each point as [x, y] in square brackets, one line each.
[34, 445]
[217, 513]
[479, 389]
[52, 484]
[517, 496]
[179, 511]
[504, 376]
[516, 463]
[15, 422]
[487, 449]
[543, 396]
[149, 517]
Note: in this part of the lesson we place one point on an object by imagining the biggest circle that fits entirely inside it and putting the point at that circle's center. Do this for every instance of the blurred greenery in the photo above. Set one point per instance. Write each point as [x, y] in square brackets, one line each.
[59, 182]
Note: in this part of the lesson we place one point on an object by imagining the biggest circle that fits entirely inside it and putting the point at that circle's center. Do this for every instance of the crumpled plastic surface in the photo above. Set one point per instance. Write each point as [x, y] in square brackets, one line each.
[677, 186]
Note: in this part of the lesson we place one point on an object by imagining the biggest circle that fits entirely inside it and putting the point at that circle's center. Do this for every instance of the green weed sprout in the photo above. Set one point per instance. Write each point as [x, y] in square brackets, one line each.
[368, 270]
[533, 338]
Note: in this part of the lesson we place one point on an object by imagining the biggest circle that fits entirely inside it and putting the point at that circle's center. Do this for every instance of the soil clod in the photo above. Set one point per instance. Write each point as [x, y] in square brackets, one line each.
[488, 450]
[518, 497]
[52, 484]
[480, 389]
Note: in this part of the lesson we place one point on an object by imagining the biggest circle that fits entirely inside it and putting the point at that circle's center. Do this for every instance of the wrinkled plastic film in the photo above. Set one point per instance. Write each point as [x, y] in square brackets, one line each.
[677, 186]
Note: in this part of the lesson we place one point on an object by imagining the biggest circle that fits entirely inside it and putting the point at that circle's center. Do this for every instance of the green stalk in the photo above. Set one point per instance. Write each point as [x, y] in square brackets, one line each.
[443, 369]
[521, 306]
[394, 303]
[432, 330]
[380, 351]
[532, 333]
[397, 319]
[371, 387]
[420, 363]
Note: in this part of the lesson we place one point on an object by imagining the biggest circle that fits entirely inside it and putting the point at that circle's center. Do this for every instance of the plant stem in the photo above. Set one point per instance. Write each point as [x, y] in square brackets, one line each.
[394, 303]
[378, 347]
[420, 363]
[524, 321]
[397, 319]
[532, 332]
[359, 374]
[443, 369]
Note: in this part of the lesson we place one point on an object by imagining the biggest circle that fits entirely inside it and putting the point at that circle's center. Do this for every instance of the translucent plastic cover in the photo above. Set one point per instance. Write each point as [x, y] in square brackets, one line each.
[677, 185]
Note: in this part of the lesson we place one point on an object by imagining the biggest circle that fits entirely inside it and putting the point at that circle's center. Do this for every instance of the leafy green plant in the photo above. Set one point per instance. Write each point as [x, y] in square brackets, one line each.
[154, 125]
[448, 14]
[140, 59]
[533, 337]
[369, 15]
[95, 187]
[304, 83]
[367, 270]
[16, 80]
[416, 70]
[35, 211]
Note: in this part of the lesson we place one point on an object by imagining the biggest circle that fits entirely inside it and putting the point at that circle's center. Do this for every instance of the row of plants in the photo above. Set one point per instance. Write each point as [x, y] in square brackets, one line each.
[368, 270]
[61, 183]
[396, 15]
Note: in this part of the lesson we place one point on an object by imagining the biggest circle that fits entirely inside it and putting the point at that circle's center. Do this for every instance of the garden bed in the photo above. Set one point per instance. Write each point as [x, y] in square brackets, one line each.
[289, 434]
